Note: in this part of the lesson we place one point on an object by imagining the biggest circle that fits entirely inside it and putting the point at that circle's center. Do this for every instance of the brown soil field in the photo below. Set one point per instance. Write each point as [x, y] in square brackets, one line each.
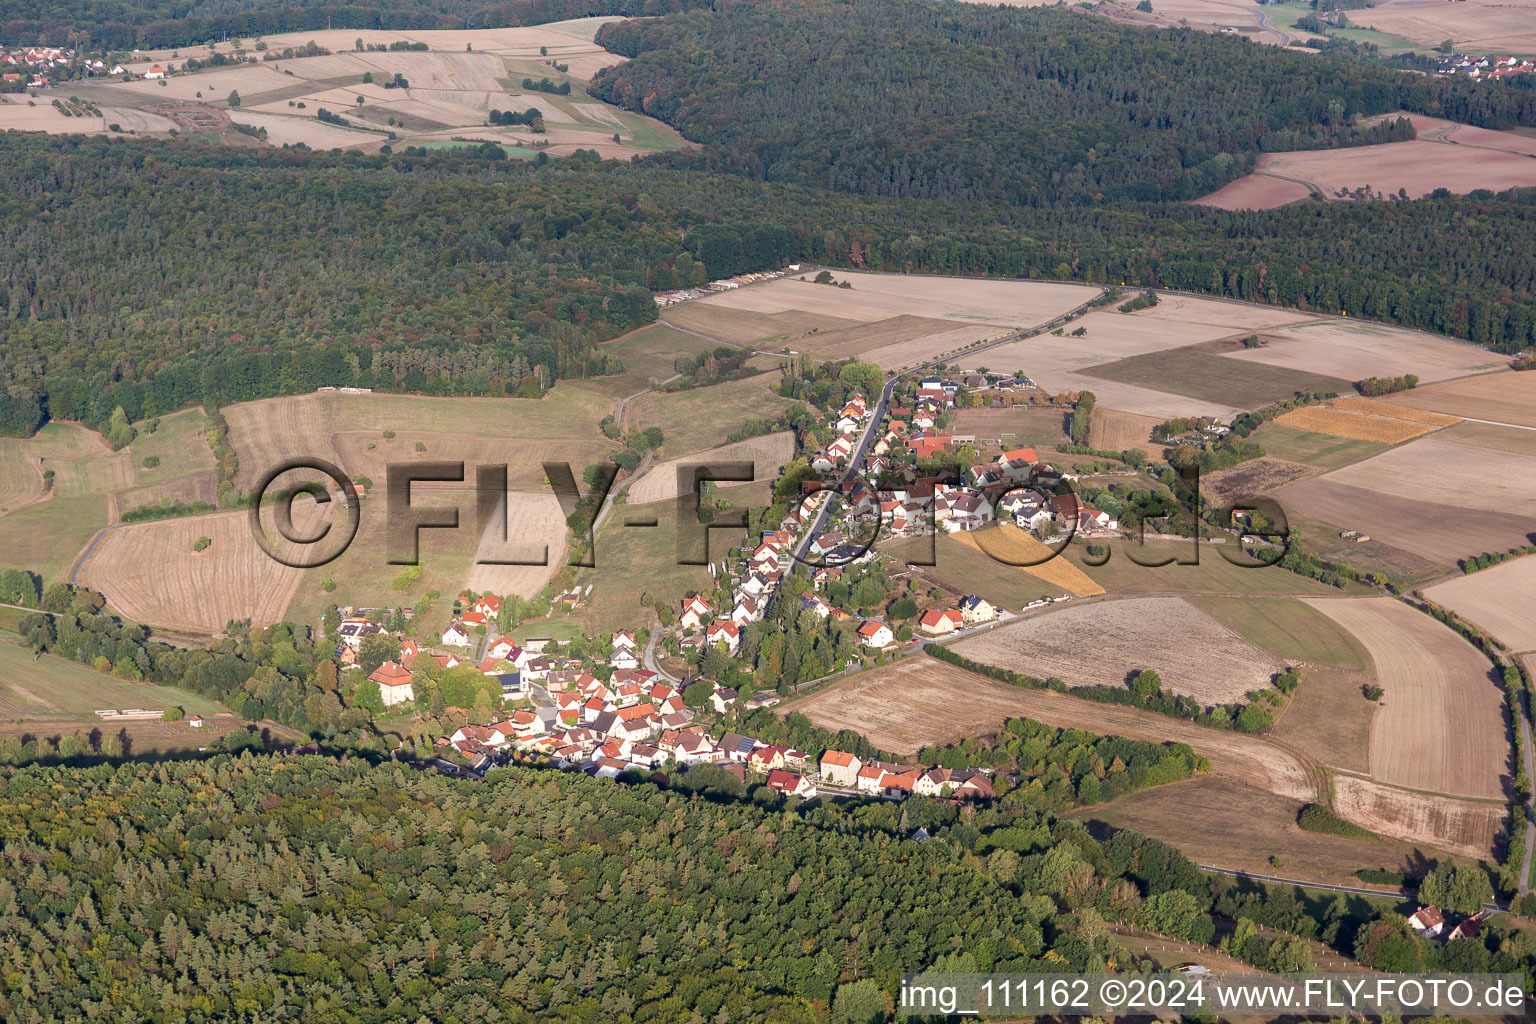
[1255, 192]
[1418, 166]
[1116, 431]
[881, 296]
[1473, 25]
[1008, 544]
[743, 327]
[150, 574]
[920, 701]
[1436, 531]
[1355, 425]
[1500, 481]
[1353, 350]
[1258, 476]
[1037, 426]
[1375, 407]
[535, 525]
[1499, 397]
[1200, 372]
[1516, 440]
[1104, 643]
[1464, 827]
[1497, 601]
[1441, 727]
[767, 454]
[1229, 824]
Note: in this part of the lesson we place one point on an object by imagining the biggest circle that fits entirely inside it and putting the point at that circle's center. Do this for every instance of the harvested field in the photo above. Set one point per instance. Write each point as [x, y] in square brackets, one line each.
[1116, 431]
[1201, 372]
[1464, 827]
[1006, 544]
[1323, 451]
[1441, 728]
[535, 533]
[44, 117]
[1230, 824]
[920, 701]
[150, 574]
[1252, 478]
[911, 352]
[1515, 440]
[248, 79]
[744, 327]
[1438, 531]
[1472, 25]
[767, 454]
[1508, 397]
[1111, 336]
[1497, 600]
[1504, 481]
[1102, 644]
[881, 296]
[1353, 350]
[1375, 407]
[1238, 316]
[1255, 192]
[21, 478]
[653, 351]
[1354, 425]
[1418, 167]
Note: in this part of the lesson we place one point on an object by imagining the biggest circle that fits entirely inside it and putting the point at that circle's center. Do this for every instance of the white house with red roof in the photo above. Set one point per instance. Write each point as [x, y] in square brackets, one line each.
[695, 613]
[456, 635]
[723, 631]
[394, 682]
[840, 768]
[876, 635]
[488, 606]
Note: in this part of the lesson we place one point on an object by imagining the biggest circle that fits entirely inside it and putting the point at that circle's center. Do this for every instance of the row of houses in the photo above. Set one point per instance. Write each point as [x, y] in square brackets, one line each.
[897, 781]
[726, 284]
[1478, 66]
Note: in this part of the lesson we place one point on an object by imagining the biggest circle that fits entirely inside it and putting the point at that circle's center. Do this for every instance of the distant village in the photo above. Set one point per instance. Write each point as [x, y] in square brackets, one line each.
[1482, 67]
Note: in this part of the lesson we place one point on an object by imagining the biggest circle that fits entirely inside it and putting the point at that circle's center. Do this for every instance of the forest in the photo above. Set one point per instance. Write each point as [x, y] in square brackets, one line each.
[258, 886]
[154, 275]
[1035, 106]
[149, 24]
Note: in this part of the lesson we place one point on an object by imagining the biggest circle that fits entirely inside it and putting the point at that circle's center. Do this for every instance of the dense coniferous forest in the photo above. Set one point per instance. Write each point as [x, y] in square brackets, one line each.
[147, 24]
[942, 100]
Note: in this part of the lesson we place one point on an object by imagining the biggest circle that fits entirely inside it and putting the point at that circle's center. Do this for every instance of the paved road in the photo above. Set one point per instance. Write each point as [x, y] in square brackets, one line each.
[1353, 890]
[1523, 883]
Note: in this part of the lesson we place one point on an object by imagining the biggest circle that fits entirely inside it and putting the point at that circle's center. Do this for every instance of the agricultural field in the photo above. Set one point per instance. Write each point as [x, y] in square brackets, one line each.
[45, 690]
[700, 418]
[767, 454]
[1515, 440]
[150, 574]
[788, 328]
[1354, 425]
[1180, 308]
[1401, 498]
[1498, 601]
[1194, 570]
[44, 531]
[1508, 398]
[1472, 25]
[1457, 157]
[1468, 828]
[1106, 643]
[453, 86]
[1116, 431]
[534, 539]
[962, 569]
[1352, 350]
[1250, 479]
[1007, 304]
[1441, 725]
[1321, 451]
[1230, 824]
[1200, 372]
[1011, 548]
[1035, 426]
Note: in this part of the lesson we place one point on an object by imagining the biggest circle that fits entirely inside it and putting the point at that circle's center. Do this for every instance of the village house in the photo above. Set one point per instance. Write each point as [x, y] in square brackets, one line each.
[840, 768]
[790, 784]
[723, 699]
[1427, 921]
[394, 682]
[455, 635]
[876, 635]
[724, 631]
[940, 623]
[695, 613]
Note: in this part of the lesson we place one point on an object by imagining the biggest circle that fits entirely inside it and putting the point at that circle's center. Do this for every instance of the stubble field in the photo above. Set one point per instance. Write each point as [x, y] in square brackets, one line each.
[1499, 397]
[1008, 546]
[1441, 729]
[1498, 601]
[1103, 643]
[1353, 350]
